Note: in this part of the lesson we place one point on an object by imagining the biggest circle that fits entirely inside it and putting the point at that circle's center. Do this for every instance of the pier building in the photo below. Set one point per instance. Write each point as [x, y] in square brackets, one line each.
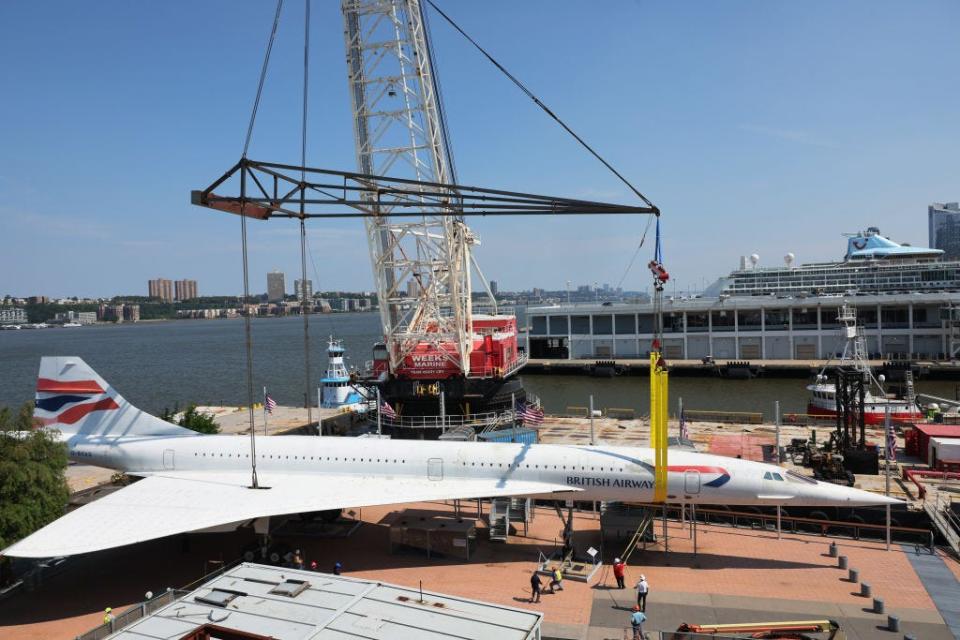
[907, 300]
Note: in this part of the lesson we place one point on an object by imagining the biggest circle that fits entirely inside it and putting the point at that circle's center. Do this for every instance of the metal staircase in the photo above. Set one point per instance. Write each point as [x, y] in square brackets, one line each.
[500, 519]
[941, 514]
[504, 511]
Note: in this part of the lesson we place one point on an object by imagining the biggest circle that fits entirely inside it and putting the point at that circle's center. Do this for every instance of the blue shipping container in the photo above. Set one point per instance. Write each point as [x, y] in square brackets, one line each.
[524, 435]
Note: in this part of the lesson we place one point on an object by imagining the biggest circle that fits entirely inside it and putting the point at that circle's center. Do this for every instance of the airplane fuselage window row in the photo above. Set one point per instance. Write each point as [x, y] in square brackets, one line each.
[396, 461]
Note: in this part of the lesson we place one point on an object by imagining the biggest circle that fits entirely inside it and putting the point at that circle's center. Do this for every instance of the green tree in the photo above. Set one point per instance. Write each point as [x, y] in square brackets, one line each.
[33, 487]
[192, 419]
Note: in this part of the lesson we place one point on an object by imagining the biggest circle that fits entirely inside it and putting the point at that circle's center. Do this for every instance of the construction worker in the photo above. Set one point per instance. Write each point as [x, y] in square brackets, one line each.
[619, 571]
[536, 586]
[643, 588]
[637, 618]
[556, 580]
[108, 616]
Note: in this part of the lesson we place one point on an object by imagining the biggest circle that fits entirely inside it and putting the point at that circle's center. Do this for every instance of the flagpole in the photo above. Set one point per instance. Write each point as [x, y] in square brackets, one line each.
[593, 440]
[888, 448]
[265, 412]
[680, 417]
[443, 410]
[379, 426]
[776, 441]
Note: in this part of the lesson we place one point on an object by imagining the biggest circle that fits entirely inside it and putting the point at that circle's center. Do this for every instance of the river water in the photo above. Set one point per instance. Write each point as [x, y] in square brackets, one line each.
[163, 364]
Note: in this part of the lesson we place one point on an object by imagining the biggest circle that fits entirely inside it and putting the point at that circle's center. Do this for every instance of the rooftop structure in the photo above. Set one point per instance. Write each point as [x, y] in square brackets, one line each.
[873, 263]
[273, 602]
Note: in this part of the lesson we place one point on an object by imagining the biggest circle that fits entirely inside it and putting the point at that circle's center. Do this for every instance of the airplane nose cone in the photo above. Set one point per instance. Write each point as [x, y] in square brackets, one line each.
[860, 498]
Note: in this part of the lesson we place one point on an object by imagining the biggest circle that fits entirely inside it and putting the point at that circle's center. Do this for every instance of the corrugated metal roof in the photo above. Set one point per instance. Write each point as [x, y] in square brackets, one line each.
[939, 430]
[333, 607]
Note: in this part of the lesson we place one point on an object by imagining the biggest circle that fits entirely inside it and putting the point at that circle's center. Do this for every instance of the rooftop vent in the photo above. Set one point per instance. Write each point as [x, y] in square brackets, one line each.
[219, 597]
[290, 588]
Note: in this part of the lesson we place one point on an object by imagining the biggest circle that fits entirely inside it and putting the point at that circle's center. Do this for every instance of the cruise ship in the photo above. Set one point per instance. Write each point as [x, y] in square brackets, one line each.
[907, 300]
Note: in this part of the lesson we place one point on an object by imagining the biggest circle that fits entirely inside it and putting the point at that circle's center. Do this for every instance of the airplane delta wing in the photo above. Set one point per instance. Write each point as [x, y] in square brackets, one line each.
[168, 503]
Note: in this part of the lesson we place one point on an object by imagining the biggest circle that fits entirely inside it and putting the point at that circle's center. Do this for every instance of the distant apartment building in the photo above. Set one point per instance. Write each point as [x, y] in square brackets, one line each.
[79, 317]
[13, 315]
[494, 289]
[38, 299]
[185, 289]
[119, 313]
[110, 313]
[303, 287]
[413, 288]
[352, 304]
[276, 288]
[206, 314]
[943, 220]
[161, 288]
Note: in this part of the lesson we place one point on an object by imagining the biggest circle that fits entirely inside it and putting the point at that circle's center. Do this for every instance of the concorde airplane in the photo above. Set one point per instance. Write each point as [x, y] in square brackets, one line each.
[191, 482]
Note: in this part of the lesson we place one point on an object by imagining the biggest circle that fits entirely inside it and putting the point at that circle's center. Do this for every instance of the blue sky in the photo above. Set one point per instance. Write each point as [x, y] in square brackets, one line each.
[761, 127]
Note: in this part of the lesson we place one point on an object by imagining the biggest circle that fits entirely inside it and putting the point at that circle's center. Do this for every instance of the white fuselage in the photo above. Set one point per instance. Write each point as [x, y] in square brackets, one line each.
[599, 473]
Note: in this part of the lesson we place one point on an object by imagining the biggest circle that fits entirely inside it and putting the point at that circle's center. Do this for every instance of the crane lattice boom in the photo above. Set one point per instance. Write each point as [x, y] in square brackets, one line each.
[421, 266]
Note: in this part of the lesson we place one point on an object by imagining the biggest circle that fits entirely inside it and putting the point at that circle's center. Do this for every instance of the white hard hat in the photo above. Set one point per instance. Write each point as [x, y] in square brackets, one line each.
[616, 559]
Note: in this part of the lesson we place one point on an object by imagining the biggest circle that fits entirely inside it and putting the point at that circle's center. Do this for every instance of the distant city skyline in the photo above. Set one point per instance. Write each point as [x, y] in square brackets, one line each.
[756, 127]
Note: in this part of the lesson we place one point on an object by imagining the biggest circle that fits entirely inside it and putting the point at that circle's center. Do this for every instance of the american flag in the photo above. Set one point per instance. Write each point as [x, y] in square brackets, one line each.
[684, 434]
[891, 444]
[529, 413]
[269, 404]
[387, 411]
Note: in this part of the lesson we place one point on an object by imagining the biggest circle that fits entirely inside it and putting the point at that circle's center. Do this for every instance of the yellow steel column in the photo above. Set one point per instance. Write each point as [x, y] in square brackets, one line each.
[658, 426]
[664, 433]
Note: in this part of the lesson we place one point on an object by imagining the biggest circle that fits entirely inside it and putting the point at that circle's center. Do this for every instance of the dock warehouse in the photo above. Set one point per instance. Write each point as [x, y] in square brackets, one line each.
[255, 601]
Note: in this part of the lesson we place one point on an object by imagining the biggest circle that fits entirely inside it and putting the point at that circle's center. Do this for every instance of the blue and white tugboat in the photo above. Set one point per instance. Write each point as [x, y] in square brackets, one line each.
[337, 391]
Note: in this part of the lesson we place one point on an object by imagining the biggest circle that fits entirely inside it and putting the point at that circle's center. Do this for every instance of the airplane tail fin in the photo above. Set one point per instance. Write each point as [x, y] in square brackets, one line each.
[71, 397]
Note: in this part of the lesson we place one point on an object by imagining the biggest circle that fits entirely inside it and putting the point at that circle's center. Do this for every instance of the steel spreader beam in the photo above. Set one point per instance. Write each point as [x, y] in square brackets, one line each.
[276, 190]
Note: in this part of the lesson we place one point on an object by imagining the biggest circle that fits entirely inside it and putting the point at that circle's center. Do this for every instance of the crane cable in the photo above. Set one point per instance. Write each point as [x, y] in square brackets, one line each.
[263, 76]
[633, 258]
[305, 303]
[545, 108]
[248, 337]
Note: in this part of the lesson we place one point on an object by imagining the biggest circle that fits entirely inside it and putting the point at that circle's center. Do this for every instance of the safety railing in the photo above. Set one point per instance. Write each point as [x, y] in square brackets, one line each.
[133, 614]
[500, 372]
[739, 417]
[480, 422]
[945, 518]
[142, 610]
[477, 421]
[797, 524]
